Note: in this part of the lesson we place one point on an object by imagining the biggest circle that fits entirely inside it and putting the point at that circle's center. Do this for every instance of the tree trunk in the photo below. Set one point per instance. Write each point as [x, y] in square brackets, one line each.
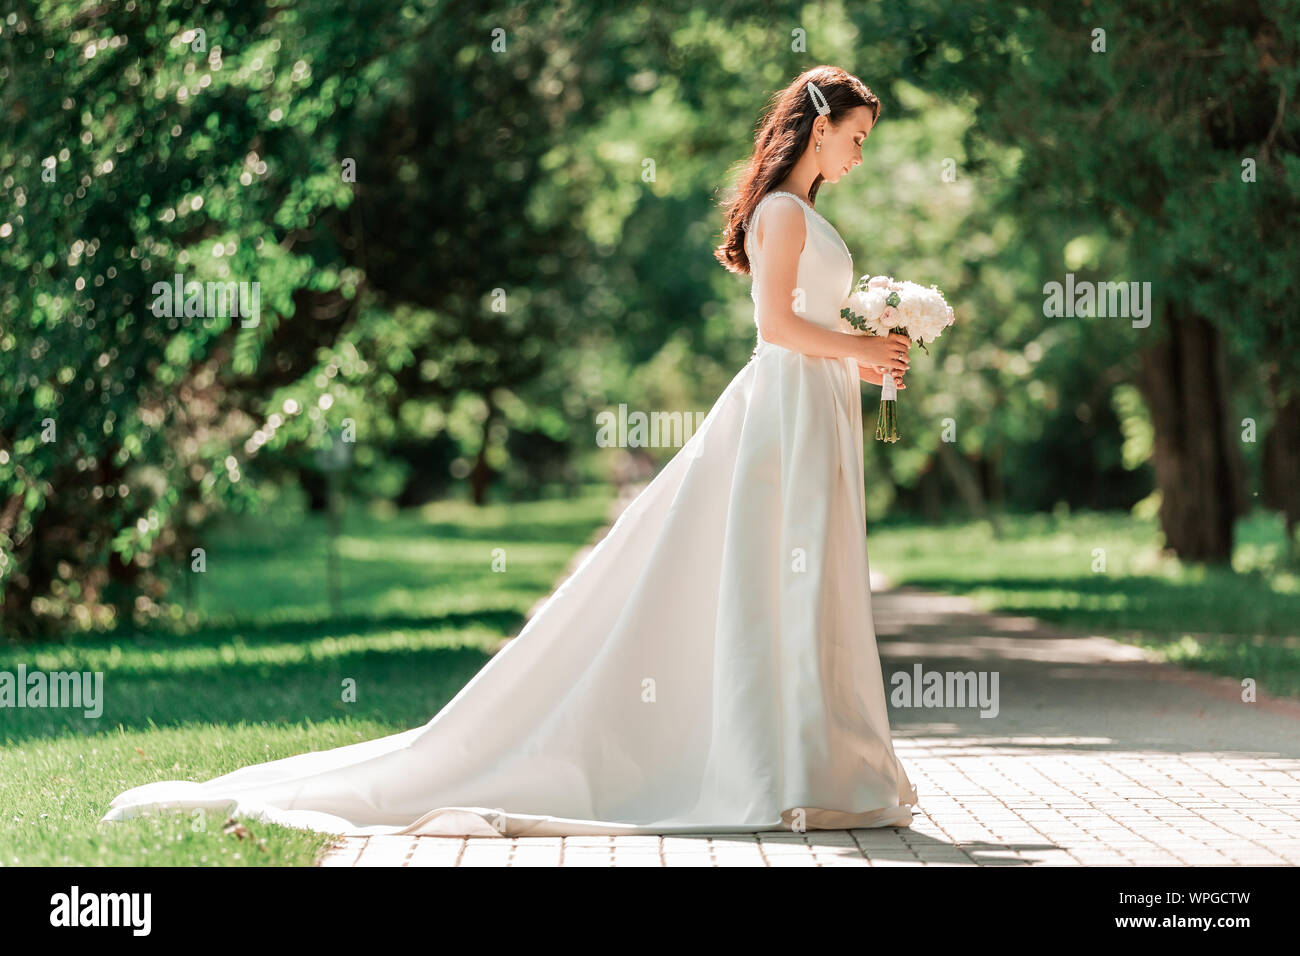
[316, 486]
[931, 492]
[481, 474]
[965, 477]
[1184, 381]
[1281, 464]
[997, 489]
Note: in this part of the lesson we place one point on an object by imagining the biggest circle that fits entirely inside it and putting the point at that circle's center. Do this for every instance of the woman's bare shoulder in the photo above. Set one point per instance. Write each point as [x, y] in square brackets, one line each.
[780, 215]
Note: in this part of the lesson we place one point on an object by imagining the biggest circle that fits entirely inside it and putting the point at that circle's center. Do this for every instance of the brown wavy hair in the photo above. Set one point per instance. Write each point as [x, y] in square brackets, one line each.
[784, 130]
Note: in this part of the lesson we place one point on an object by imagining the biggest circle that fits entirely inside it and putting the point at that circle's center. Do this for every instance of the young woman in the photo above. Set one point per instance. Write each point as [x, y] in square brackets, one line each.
[711, 666]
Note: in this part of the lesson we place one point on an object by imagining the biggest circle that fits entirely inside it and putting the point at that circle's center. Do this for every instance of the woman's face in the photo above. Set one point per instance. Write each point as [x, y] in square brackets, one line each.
[842, 144]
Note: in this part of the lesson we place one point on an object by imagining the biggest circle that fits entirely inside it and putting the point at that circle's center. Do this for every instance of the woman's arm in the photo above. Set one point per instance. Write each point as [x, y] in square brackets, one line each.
[779, 239]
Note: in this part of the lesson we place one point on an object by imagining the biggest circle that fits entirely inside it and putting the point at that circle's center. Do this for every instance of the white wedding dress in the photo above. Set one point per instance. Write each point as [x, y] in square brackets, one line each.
[711, 666]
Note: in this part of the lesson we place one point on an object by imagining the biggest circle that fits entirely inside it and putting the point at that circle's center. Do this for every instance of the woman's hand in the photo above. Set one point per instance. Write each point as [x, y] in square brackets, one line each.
[874, 376]
[887, 352]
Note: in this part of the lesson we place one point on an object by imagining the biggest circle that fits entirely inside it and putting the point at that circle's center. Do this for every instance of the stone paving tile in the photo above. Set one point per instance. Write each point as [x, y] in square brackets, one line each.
[1097, 757]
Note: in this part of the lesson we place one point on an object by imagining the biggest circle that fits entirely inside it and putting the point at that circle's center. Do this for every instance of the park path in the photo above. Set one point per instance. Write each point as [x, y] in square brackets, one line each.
[1097, 756]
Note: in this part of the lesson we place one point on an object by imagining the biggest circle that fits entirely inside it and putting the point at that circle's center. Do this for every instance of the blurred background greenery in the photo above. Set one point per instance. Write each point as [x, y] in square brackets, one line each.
[526, 242]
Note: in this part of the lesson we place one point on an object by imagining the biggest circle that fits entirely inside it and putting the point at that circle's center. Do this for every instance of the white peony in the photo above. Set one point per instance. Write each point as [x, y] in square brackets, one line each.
[921, 311]
[869, 305]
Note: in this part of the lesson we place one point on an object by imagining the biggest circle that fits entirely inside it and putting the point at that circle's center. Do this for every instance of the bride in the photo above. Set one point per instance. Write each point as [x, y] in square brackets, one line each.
[711, 666]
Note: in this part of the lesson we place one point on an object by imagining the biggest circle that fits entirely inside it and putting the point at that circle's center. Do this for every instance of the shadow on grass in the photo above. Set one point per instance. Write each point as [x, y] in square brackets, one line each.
[312, 532]
[309, 627]
[545, 532]
[153, 688]
[1244, 606]
[400, 686]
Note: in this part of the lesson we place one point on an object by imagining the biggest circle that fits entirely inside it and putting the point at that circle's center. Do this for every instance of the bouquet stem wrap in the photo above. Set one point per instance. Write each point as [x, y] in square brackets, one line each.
[887, 419]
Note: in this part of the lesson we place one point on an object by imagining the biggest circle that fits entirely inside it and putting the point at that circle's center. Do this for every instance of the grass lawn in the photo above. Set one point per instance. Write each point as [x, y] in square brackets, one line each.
[261, 676]
[1243, 623]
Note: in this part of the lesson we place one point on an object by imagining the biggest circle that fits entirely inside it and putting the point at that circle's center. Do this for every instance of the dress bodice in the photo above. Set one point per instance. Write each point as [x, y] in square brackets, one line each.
[825, 266]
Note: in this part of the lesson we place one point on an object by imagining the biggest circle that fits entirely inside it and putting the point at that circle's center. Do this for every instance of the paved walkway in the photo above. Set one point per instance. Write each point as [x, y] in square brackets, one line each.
[1096, 756]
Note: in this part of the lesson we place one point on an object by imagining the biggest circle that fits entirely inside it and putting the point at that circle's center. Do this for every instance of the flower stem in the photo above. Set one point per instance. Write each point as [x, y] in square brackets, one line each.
[887, 422]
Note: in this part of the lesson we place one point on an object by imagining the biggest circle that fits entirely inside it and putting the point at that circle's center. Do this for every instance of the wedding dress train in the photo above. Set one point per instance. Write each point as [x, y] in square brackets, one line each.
[711, 666]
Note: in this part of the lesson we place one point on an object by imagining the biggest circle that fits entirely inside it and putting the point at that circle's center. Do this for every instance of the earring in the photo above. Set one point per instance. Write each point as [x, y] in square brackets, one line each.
[819, 146]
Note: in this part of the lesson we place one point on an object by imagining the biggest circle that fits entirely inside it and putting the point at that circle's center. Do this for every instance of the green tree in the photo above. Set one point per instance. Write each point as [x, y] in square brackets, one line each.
[1169, 130]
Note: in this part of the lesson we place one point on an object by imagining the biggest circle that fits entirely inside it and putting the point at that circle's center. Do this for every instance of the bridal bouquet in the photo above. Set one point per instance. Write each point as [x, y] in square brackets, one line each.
[879, 305]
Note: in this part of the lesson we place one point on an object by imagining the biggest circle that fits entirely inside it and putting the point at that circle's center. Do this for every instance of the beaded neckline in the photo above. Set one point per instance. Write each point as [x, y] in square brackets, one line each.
[808, 206]
[804, 202]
